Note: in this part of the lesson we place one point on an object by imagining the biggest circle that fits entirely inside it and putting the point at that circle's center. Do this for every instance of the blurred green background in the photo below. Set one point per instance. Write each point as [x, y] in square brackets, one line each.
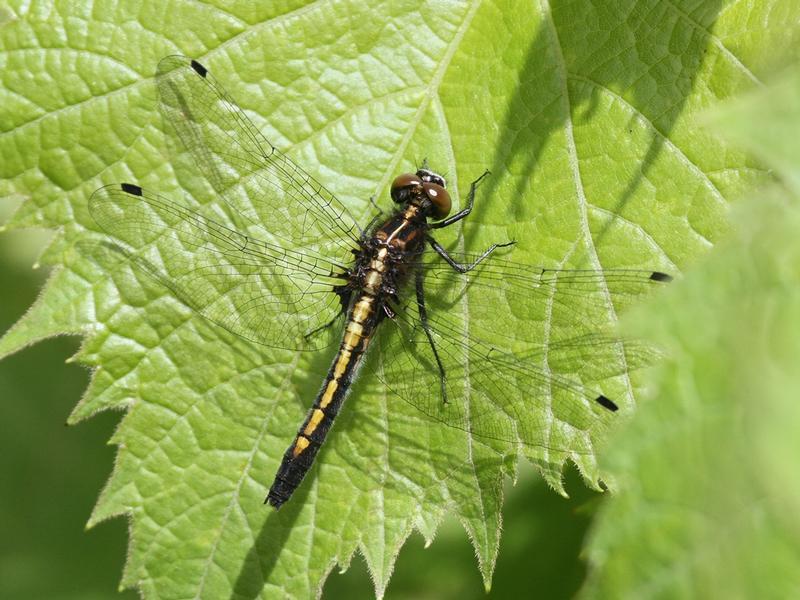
[53, 475]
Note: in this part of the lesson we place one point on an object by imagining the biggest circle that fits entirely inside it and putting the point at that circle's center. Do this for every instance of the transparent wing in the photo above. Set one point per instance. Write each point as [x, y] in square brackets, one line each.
[267, 194]
[539, 302]
[523, 351]
[256, 289]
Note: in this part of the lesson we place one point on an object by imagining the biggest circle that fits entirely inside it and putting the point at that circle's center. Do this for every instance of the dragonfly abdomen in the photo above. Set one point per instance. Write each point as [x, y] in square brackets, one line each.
[380, 268]
[298, 458]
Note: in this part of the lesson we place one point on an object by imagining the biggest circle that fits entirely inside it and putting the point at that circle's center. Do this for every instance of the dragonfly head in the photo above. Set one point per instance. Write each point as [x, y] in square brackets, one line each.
[425, 186]
[431, 177]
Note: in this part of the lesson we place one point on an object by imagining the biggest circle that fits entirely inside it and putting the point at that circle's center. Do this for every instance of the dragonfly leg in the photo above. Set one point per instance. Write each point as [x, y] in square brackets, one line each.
[463, 268]
[344, 298]
[307, 336]
[375, 205]
[423, 318]
[462, 213]
[365, 233]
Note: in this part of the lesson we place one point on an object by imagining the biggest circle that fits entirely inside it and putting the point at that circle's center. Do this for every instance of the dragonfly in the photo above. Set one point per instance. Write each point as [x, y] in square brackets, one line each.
[280, 261]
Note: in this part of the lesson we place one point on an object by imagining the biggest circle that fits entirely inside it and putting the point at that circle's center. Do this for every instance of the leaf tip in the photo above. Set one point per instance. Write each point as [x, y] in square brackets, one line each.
[553, 476]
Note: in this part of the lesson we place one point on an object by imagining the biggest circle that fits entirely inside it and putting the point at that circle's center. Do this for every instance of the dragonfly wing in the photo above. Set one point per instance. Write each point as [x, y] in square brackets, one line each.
[262, 187]
[535, 303]
[524, 358]
[501, 400]
[256, 289]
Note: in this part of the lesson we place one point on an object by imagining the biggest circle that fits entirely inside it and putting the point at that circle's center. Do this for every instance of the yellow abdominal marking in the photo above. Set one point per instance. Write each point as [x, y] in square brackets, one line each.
[372, 281]
[316, 418]
[341, 365]
[329, 391]
[355, 327]
[362, 309]
[378, 263]
[351, 338]
[300, 445]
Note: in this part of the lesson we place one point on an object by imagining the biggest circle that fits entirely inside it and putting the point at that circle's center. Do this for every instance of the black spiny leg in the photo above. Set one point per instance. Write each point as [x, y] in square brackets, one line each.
[462, 213]
[344, 300]
[316, 330]
[457, 217]
[365, 233]
[423, 318]
[465, 267]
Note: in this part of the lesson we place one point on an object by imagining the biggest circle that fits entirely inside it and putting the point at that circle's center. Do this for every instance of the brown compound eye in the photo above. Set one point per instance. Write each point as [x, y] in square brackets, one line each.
[402, 186]
[440, 199]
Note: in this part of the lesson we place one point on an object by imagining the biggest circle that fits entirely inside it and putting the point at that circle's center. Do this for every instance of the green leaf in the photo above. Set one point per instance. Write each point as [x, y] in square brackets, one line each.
[586, 115]
[711, 498]
[767, 122]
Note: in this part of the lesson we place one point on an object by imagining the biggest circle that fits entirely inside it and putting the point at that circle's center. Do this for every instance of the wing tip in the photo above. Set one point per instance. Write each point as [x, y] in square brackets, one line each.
[132, 189]
[660, 276]
[199, 69]
[606, 402]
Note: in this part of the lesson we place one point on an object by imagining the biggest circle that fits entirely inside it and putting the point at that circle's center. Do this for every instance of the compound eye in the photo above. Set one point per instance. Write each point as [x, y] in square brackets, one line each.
[439, 198]
[402, 186]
